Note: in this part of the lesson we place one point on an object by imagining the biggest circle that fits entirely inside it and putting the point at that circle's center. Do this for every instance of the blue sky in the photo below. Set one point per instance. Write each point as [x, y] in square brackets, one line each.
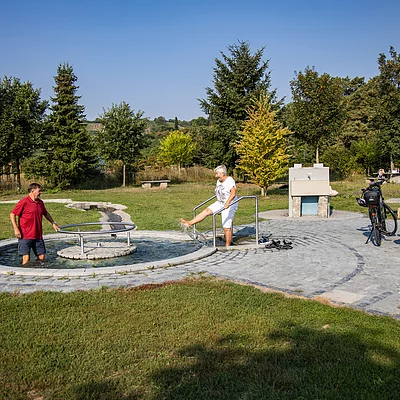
[159, 56]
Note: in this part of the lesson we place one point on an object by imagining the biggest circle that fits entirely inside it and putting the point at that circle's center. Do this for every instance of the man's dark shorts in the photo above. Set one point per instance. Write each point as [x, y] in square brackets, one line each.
[25, 246]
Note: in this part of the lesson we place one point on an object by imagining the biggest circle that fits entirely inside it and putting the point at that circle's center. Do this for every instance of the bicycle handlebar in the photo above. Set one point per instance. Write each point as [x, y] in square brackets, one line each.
[377, 184]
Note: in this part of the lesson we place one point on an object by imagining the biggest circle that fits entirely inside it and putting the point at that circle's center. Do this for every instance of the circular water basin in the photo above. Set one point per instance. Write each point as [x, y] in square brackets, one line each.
[150, 252]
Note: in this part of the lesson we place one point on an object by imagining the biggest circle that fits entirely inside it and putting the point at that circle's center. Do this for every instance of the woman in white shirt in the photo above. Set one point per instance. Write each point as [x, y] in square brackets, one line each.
[225, 191]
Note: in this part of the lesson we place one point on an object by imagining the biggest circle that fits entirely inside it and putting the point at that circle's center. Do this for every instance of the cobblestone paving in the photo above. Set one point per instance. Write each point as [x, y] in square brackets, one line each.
[329, 260]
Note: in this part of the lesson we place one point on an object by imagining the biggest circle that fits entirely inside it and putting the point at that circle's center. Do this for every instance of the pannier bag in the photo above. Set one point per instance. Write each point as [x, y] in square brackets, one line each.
[372, 197]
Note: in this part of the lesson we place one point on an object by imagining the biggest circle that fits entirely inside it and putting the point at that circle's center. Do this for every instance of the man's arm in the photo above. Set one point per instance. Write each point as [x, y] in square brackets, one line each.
[17, 231]
[51, 220]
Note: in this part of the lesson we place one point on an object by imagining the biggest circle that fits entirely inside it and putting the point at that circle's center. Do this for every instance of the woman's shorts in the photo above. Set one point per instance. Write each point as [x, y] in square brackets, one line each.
[25, 246]
[227, 215]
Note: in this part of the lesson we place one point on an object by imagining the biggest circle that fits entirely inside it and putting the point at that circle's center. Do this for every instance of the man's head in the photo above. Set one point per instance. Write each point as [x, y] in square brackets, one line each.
[34, 190]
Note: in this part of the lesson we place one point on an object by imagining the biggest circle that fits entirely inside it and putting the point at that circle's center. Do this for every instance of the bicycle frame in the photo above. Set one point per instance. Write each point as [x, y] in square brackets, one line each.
[378, 211]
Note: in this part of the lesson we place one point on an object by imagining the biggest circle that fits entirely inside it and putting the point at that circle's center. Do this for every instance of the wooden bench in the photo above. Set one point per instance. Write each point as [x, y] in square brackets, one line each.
[149, 184]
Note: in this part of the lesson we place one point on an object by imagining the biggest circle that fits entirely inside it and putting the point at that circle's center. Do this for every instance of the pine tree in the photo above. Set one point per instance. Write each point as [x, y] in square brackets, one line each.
[69, 152]
[263, 156]
[236, 80]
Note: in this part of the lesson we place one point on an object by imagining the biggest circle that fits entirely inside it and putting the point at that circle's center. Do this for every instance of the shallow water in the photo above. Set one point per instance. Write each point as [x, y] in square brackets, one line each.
[146, 251]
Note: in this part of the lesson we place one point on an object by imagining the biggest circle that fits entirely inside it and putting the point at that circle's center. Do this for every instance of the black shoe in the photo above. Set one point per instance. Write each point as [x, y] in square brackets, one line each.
[275, 244]
[264, 239]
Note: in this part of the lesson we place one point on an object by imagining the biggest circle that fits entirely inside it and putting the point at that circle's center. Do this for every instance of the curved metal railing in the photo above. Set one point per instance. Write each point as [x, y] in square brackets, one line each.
[222, 209]
[128, 226]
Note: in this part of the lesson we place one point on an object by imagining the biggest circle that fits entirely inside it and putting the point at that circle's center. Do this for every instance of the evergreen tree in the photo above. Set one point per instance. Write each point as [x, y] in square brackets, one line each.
[69, 153]
[359, 100]
[262, 146]
[237, 78]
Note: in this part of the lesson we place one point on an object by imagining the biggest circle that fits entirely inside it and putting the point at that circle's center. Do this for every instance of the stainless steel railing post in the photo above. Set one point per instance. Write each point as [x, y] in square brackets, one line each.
[234, 202]
[214, 231]
[81, 243]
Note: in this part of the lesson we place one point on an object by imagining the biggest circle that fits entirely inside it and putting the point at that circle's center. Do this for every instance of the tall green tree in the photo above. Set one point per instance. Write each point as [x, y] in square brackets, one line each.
[237, 78]
[359, 101]
[387, 119]
[67, 156]
[123, 135]
[317, 111]
[177, 149]
[21, 114]
[262, 145]
[355, 148]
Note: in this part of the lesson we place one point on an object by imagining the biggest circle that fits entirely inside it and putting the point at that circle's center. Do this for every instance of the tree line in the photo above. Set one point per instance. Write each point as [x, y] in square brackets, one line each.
[349, 124]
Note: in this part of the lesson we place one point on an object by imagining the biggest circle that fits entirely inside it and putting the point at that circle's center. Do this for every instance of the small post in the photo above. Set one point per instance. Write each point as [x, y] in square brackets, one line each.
[214, 232]
[82, 244]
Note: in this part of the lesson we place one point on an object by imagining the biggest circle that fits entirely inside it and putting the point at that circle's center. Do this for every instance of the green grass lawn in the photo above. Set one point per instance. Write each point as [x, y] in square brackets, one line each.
[160, 209]
[199, 339]
[150, 209]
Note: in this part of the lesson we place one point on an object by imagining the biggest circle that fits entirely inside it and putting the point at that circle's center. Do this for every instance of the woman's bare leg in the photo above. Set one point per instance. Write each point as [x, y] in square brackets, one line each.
[228, 236]
[198, 218]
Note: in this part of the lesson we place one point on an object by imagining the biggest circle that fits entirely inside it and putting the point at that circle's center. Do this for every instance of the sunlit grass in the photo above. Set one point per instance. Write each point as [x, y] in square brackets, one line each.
[199, 339]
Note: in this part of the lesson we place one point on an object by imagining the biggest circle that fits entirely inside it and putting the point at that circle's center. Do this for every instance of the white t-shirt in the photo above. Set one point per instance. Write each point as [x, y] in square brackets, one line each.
[223, 190]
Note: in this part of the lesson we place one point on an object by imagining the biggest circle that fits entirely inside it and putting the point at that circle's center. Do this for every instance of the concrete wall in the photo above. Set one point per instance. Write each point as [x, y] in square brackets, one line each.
[309, 181]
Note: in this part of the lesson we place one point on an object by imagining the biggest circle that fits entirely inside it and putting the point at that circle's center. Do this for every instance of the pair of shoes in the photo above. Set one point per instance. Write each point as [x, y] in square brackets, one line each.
[287, 244]
[276, 244]
[264, 239]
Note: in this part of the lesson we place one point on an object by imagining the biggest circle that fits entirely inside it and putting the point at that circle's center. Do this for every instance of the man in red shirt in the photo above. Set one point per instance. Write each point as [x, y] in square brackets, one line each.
[29, 231]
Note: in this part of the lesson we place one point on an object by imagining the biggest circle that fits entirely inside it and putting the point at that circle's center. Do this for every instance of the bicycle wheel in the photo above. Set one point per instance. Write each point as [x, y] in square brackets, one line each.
[377, 233]
[389, 221]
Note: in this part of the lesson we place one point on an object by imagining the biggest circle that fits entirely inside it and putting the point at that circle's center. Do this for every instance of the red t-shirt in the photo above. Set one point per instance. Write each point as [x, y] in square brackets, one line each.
[30, 215]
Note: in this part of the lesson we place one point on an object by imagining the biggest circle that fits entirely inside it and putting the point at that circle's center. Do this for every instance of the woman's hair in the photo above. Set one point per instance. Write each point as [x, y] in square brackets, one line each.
[222, 169]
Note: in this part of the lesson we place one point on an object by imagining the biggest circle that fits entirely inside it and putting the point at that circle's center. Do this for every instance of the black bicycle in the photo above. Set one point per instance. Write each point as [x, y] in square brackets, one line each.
[383, 219]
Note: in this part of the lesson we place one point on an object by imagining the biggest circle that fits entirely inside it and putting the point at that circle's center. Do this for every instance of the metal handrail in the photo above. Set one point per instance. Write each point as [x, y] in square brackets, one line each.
[222, 209]
[128, 226]
[198, 206]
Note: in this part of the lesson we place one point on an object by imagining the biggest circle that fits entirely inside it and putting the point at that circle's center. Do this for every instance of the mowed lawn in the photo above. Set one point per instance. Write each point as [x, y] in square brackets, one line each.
[150, 209]
[198, 339]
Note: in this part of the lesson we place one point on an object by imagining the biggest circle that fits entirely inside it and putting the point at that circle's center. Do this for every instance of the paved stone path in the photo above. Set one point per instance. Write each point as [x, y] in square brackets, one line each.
[329, 261]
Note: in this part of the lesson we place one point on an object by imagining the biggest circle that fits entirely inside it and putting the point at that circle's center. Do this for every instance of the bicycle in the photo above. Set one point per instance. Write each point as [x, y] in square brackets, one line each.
[383, 219]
